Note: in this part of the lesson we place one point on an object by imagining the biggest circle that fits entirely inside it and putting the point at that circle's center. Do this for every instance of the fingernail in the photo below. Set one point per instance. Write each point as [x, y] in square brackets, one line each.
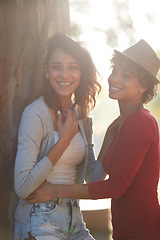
[58, 112]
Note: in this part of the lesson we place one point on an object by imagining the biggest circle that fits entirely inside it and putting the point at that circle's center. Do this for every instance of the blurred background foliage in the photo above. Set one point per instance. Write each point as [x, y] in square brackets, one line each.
[121, 28]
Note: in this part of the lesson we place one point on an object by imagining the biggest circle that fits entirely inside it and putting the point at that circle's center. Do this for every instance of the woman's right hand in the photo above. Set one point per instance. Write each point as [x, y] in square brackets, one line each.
[67, 129]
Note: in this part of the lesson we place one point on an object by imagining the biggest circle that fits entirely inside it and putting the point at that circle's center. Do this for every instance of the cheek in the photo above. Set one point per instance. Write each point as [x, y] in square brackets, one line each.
[77, 77]
[52, 78]
[53, 75]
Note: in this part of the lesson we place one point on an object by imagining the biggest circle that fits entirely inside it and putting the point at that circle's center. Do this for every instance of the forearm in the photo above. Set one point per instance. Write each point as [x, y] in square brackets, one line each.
[28, 178]
[48, 191]
[57, 151]
[75, 191]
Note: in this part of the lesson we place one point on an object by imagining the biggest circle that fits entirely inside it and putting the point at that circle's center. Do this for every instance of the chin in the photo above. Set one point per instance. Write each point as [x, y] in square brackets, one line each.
[112, 97]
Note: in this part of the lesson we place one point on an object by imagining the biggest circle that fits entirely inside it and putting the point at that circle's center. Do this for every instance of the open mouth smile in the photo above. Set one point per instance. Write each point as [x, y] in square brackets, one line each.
[64, 84]
[114, 88]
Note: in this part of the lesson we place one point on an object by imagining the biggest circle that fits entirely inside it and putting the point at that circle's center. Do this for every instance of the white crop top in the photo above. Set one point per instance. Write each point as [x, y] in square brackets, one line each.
[64, 172]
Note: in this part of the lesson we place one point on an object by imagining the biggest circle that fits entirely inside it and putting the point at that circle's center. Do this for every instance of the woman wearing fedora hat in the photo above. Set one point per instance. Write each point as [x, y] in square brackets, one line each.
[130, 151]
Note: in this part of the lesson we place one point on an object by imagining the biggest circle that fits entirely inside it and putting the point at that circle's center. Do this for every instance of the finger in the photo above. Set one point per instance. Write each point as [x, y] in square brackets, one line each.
[30, 201]
[31, 197]
[59, 117]
[65, 112]
[59, 114]
[68, 114]
[74, 115]
[71, 114]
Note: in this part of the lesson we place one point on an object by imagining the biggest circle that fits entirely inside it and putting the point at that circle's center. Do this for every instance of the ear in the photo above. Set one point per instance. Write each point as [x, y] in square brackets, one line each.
[142, 89]
[46, 71]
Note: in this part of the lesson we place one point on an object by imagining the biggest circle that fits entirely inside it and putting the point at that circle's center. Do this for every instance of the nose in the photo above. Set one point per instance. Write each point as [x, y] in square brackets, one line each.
[65, 72]
[114, 77]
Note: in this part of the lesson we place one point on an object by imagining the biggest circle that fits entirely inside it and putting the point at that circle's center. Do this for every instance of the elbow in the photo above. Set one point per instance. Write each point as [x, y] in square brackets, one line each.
[23, 185]
[119, 185]
[22, 189]
[118, 194]
[21, 192]
[118, 191]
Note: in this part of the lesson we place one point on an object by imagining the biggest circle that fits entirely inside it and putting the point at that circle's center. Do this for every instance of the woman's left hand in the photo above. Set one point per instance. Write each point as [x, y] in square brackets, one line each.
[43, 193]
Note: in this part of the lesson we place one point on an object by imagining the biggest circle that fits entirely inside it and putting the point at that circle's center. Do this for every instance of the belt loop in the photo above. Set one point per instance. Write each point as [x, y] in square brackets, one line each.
[57, 201]
[76, 202]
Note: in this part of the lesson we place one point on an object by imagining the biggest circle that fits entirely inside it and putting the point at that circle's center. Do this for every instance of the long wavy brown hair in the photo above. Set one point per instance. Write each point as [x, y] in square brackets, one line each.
[89, 88]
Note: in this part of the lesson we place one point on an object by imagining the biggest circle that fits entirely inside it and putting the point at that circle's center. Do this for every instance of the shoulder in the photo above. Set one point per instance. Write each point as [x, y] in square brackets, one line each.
[38, 107]
[141, 120]
[141, 116]
[37, 110]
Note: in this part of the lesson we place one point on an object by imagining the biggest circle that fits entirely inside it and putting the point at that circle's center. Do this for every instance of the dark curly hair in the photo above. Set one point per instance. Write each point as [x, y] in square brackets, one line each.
[89, 87]
[144, 77]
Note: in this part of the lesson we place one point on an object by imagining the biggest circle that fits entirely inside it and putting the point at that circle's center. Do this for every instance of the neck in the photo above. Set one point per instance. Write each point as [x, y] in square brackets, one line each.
[127, 108]
[67, 104]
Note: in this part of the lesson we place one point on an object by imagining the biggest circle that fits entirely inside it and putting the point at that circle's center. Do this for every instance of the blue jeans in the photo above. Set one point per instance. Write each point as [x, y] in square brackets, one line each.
[59, 219]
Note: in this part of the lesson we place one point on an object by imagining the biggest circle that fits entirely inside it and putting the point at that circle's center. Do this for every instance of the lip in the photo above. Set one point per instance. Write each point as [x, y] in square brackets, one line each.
[114, 89]
[64, 84]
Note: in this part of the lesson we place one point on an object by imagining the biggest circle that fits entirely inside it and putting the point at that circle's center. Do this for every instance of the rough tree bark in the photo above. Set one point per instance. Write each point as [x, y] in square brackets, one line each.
[25, 25]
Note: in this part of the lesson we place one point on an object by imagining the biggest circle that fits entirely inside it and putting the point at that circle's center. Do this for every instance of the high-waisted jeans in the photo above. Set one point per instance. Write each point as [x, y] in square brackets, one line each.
[59, 219]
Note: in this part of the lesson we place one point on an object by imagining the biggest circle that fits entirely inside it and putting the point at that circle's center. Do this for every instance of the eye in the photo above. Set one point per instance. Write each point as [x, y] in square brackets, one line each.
[56, 67]
[74, 67]
[125, 75]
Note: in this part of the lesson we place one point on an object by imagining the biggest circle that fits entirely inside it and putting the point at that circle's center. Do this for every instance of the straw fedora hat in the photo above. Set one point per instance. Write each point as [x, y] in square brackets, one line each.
[144, 56]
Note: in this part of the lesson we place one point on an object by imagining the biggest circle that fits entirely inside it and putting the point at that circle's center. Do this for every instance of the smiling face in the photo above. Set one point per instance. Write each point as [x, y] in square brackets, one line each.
[63, 73]
[124, 84]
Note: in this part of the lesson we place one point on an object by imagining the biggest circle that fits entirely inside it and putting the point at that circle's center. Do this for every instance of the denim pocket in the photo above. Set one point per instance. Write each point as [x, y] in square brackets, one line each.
[43, 221]
[43, 208]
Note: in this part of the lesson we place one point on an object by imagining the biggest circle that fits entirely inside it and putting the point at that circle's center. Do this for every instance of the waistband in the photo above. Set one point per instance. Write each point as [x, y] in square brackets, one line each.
[68, 201]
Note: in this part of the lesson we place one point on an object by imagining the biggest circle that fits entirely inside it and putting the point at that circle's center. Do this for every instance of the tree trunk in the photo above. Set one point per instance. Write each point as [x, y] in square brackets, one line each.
[25, 26]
